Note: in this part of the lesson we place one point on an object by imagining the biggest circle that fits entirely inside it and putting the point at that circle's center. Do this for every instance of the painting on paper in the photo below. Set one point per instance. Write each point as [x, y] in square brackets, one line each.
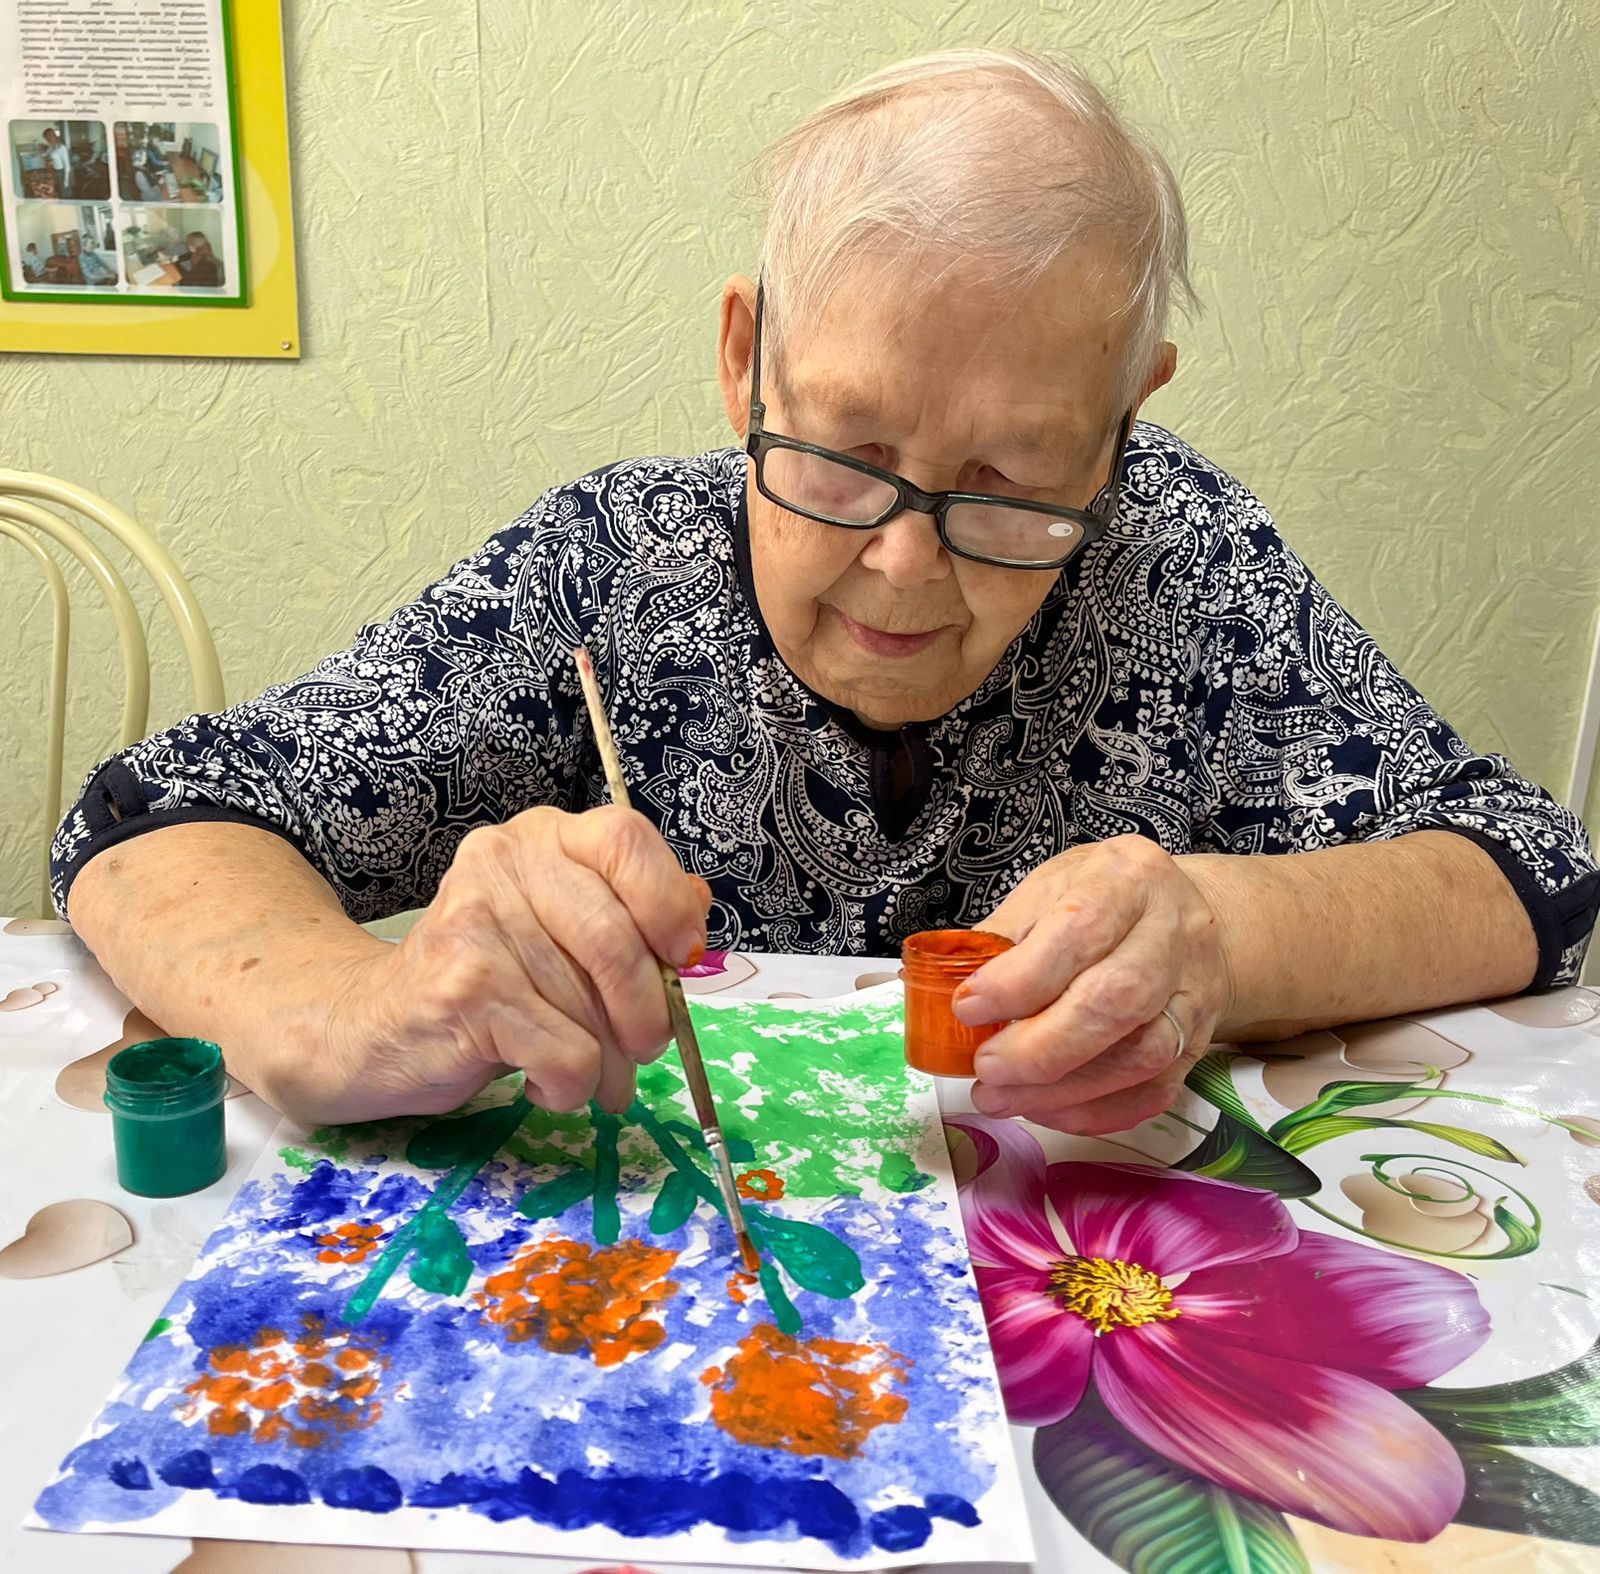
[510, 1330]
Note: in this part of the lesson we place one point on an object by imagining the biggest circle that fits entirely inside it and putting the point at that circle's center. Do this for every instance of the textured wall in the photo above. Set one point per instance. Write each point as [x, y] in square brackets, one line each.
[514, 220]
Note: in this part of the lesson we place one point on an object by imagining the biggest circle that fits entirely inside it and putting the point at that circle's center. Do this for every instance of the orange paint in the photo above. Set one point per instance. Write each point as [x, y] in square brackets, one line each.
[936, 962]
[278, 1388]
[759, 1186]
[350, 1243]
[740, 1285]
[575, 1299]
[817, 1396]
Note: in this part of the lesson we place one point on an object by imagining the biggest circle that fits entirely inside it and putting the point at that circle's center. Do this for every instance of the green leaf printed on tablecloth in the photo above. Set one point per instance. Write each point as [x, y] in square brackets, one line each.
[1150, 1517]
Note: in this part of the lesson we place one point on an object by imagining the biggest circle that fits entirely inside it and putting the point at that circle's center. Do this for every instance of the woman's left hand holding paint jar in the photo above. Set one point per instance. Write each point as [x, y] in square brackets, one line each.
[1117, 980]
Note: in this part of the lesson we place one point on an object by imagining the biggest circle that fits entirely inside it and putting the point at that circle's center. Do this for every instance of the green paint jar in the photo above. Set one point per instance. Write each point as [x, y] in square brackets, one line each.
[165, 1099]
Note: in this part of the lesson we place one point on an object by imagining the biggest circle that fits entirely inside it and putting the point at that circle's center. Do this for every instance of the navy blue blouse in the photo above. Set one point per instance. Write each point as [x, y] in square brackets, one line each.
[1186, 679]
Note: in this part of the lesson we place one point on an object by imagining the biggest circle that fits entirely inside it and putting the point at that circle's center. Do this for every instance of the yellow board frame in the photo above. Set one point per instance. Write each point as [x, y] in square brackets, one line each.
[269, 326]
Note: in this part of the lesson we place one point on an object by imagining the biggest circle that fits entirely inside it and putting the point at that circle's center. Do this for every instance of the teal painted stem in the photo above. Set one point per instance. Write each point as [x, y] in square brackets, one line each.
[495, 1136]
[783, 1309]
[673, 1153]
[607, 1172]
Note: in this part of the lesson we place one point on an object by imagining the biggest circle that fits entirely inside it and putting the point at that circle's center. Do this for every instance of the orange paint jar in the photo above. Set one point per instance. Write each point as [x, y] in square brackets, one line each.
[935, 962]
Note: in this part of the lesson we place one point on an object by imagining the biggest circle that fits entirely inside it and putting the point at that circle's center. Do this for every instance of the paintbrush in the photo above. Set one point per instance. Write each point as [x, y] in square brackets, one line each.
[694, 1069]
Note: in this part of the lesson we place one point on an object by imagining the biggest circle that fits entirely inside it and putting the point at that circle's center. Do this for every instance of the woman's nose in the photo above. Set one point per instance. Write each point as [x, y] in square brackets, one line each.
[907, 551]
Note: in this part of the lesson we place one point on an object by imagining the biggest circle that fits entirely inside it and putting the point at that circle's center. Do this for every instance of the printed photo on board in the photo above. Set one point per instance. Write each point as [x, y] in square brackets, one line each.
[177, 247]
[168, 161]
[59, 160]
[67, 245]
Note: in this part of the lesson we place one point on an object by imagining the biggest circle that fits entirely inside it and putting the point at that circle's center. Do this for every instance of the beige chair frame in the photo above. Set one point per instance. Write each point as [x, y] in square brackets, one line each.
[23, 520]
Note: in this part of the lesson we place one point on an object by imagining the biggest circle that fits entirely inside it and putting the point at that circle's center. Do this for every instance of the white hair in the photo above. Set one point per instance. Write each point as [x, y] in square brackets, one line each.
[992, 154]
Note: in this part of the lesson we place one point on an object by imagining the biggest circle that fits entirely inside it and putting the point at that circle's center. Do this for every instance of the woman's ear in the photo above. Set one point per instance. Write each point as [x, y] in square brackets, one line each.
[734, 342]
[1161, 370]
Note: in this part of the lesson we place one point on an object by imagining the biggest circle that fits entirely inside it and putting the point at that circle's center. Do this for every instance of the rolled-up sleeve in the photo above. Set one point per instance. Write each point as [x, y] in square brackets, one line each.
[1309, 737]
[453, 712]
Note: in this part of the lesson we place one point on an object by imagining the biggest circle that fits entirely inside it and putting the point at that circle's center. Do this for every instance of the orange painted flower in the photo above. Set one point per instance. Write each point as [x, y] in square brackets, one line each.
[817, 1396]
[300, 1390]
[760, 1186]
[350, 1243]
[575, 1299]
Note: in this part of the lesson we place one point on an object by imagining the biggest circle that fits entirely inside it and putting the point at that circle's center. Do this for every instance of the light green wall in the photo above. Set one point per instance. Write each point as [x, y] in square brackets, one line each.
[513, 228]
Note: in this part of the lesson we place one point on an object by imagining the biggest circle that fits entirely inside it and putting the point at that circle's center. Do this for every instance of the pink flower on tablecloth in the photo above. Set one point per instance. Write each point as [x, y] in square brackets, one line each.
[1217, 1334]
[712, 963]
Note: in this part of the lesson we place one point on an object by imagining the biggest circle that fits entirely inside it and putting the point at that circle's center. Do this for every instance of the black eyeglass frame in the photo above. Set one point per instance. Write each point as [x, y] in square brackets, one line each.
[1094, 521]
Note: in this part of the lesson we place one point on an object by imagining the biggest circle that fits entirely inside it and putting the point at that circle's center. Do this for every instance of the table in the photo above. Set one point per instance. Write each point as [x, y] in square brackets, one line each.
[1481, 1072]
[185, 168]
[156, 274]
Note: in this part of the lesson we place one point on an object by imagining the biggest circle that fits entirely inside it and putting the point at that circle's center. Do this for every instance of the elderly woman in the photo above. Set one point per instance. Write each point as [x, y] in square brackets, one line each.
[951, 638]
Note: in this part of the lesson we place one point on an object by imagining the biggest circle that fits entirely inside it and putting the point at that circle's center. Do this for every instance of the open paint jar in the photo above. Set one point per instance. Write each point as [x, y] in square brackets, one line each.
[933, 964]
[165, 1099]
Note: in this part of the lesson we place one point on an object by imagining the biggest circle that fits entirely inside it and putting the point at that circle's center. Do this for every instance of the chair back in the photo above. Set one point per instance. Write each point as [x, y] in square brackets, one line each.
[25, 520]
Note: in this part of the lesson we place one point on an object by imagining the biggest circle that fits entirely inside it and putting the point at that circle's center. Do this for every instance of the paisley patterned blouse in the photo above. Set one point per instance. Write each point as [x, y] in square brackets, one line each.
[1187, 679]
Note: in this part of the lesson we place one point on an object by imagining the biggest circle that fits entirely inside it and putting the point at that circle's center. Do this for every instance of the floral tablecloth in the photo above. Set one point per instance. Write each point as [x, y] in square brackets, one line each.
[1339, 1310]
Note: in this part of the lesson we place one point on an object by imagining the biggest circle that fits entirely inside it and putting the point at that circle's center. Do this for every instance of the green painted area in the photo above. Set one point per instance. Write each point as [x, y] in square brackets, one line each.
[783, 1312]
[443, 1144]
[674, 1203]
[157, 1328]
[819, 1098]
[897, 1172]
[420, 1230]
[739, 1150]
[361, 1139]
[607, 1172]
[553, 1197]
[441, 1263]
[815, 1258]
[549, 1138]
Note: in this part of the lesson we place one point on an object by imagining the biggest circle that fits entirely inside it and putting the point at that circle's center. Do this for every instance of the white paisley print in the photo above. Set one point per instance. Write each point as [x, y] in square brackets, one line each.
[1187, 680]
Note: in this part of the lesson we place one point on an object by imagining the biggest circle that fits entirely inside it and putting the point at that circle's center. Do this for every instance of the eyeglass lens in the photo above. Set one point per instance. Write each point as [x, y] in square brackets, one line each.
[816, 485]
[819, 486]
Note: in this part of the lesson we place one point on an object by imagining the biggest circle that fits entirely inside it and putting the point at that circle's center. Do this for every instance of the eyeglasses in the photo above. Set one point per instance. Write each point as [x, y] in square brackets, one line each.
[835, 489]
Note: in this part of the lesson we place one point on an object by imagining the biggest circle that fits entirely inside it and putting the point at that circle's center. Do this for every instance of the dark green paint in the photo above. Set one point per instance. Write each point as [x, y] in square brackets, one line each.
[607, 1172]
[443, 1144]
[494, 1134]
[442, 1264]
[165, 1098]
[815, 1258]
[782, 1308]
[740, 1150]
[674, 1203]
[553, 1197]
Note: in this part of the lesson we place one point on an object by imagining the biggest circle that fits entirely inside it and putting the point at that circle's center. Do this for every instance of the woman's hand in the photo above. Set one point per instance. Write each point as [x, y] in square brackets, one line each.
[538, 955]
[1108, 936]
